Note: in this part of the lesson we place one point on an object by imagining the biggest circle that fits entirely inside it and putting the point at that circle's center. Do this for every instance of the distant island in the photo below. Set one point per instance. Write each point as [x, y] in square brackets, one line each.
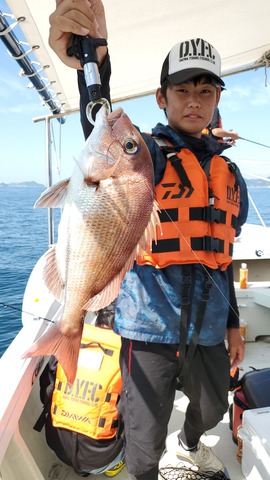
[257, 182]
[253, 182]
[22, 184]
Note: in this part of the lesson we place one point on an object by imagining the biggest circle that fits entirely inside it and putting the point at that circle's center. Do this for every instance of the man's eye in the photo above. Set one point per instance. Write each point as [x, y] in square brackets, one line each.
[182, 91]
[206, 90]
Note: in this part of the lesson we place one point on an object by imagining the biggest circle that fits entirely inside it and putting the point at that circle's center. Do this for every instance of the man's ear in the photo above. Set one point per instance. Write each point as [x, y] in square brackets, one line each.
[161, 101]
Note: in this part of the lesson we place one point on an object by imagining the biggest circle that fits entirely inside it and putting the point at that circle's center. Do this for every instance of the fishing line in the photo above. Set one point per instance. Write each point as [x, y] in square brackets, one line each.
[252, 141]
[57, 156]
[6, 305]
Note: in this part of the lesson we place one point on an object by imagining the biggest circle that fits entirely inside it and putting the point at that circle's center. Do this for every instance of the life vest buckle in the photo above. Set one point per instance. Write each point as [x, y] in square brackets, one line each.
[213, 244]
[207, 244]
[186, 284]
[208, 214]
[206, 291]
[215, 215]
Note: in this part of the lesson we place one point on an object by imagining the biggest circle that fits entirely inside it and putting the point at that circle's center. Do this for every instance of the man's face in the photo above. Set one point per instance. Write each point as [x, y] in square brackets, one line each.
[190, 106]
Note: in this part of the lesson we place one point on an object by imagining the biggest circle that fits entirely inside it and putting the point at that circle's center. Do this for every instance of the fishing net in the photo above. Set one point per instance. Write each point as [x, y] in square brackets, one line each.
[186, 473]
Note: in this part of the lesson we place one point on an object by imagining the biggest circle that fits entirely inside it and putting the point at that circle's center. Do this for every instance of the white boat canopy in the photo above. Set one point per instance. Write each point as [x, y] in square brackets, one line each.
[141, 32]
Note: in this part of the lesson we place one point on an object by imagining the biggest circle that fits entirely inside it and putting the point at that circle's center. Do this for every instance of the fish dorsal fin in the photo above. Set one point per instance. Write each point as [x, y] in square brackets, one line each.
[54, 196]
[149, 235]
[52, 276]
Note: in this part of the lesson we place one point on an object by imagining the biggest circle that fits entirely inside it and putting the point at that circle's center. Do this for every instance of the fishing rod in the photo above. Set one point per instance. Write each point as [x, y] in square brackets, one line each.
[252, 141]
[12, 307]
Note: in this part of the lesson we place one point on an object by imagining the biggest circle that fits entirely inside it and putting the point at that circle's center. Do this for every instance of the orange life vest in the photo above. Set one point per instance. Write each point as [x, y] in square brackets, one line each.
[89, 405]
[198, 213]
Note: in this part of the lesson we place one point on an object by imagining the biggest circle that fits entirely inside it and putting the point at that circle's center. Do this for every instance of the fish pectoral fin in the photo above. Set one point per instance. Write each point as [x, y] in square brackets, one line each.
[54, 196]
[110, 292]
[64, 347]
[105, 297]
[52, 276]
[104, 174]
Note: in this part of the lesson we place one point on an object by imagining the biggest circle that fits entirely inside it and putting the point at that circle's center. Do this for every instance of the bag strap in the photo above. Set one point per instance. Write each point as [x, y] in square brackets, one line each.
[42, 418]
[185, 358]
[46, 382]
[185, 302]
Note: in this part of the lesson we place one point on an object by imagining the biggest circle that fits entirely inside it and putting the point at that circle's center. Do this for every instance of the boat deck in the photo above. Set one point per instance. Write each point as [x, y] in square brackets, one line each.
[219, 438]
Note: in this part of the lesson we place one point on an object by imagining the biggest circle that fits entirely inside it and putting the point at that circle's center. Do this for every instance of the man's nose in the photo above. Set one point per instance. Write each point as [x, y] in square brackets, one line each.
[194, 101]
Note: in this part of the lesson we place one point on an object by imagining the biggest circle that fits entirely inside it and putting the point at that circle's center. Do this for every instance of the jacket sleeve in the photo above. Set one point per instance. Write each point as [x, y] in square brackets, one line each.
[243, 212]
[105, 74]
[233, 316]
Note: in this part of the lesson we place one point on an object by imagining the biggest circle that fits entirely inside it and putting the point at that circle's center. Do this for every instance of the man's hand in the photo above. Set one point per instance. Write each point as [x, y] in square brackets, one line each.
[236, 346]
[79, 17]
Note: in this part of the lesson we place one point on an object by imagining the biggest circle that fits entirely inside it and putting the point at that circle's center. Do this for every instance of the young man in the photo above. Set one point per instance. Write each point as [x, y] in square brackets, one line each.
[177, 304]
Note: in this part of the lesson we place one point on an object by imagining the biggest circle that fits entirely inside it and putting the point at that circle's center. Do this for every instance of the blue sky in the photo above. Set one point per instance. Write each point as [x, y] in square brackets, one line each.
[244, 107]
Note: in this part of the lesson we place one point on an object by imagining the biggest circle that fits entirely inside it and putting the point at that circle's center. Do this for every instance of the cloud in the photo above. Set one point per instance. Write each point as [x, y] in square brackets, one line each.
[22, 108]
[10, 84]
[26, 105]
[16, 98]
[245, 91]
[261, 97]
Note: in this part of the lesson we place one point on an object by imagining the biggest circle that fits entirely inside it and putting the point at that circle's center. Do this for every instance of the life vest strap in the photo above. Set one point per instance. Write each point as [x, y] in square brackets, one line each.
[167, 245]
[234, 222]
[106, 351]
[207, 243]
[231, 249]
[208, 214]
[181, 172]
[102, 423]
[175, 160]
[168, 215]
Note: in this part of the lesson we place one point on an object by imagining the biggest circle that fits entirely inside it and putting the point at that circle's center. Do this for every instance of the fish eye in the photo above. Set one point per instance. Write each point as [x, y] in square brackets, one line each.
[130, 146]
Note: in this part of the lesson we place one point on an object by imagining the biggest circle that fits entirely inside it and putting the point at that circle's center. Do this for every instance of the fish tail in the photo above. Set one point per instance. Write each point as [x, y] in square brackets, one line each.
[64, 347]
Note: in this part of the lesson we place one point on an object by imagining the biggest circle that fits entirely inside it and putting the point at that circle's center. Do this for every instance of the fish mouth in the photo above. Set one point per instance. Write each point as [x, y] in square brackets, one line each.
[112, 117]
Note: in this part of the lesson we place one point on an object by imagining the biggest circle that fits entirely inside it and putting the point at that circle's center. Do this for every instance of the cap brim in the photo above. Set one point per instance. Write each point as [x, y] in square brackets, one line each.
[186, 75]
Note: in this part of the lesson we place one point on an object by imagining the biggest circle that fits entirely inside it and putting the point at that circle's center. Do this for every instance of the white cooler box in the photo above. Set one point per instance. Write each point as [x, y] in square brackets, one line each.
[255, 435]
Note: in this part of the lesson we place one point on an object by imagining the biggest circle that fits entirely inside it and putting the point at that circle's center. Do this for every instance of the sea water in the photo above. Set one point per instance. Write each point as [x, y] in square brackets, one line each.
[24, 239]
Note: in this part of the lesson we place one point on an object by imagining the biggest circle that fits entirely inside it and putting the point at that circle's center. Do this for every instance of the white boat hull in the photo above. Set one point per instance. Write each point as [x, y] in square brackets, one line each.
[24, 453]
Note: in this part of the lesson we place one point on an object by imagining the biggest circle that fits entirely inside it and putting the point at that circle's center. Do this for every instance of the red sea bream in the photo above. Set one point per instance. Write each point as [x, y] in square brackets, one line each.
[109, 212]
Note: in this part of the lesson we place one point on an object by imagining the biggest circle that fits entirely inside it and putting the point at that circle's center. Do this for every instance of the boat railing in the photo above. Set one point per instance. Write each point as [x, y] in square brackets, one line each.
[22, 57]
